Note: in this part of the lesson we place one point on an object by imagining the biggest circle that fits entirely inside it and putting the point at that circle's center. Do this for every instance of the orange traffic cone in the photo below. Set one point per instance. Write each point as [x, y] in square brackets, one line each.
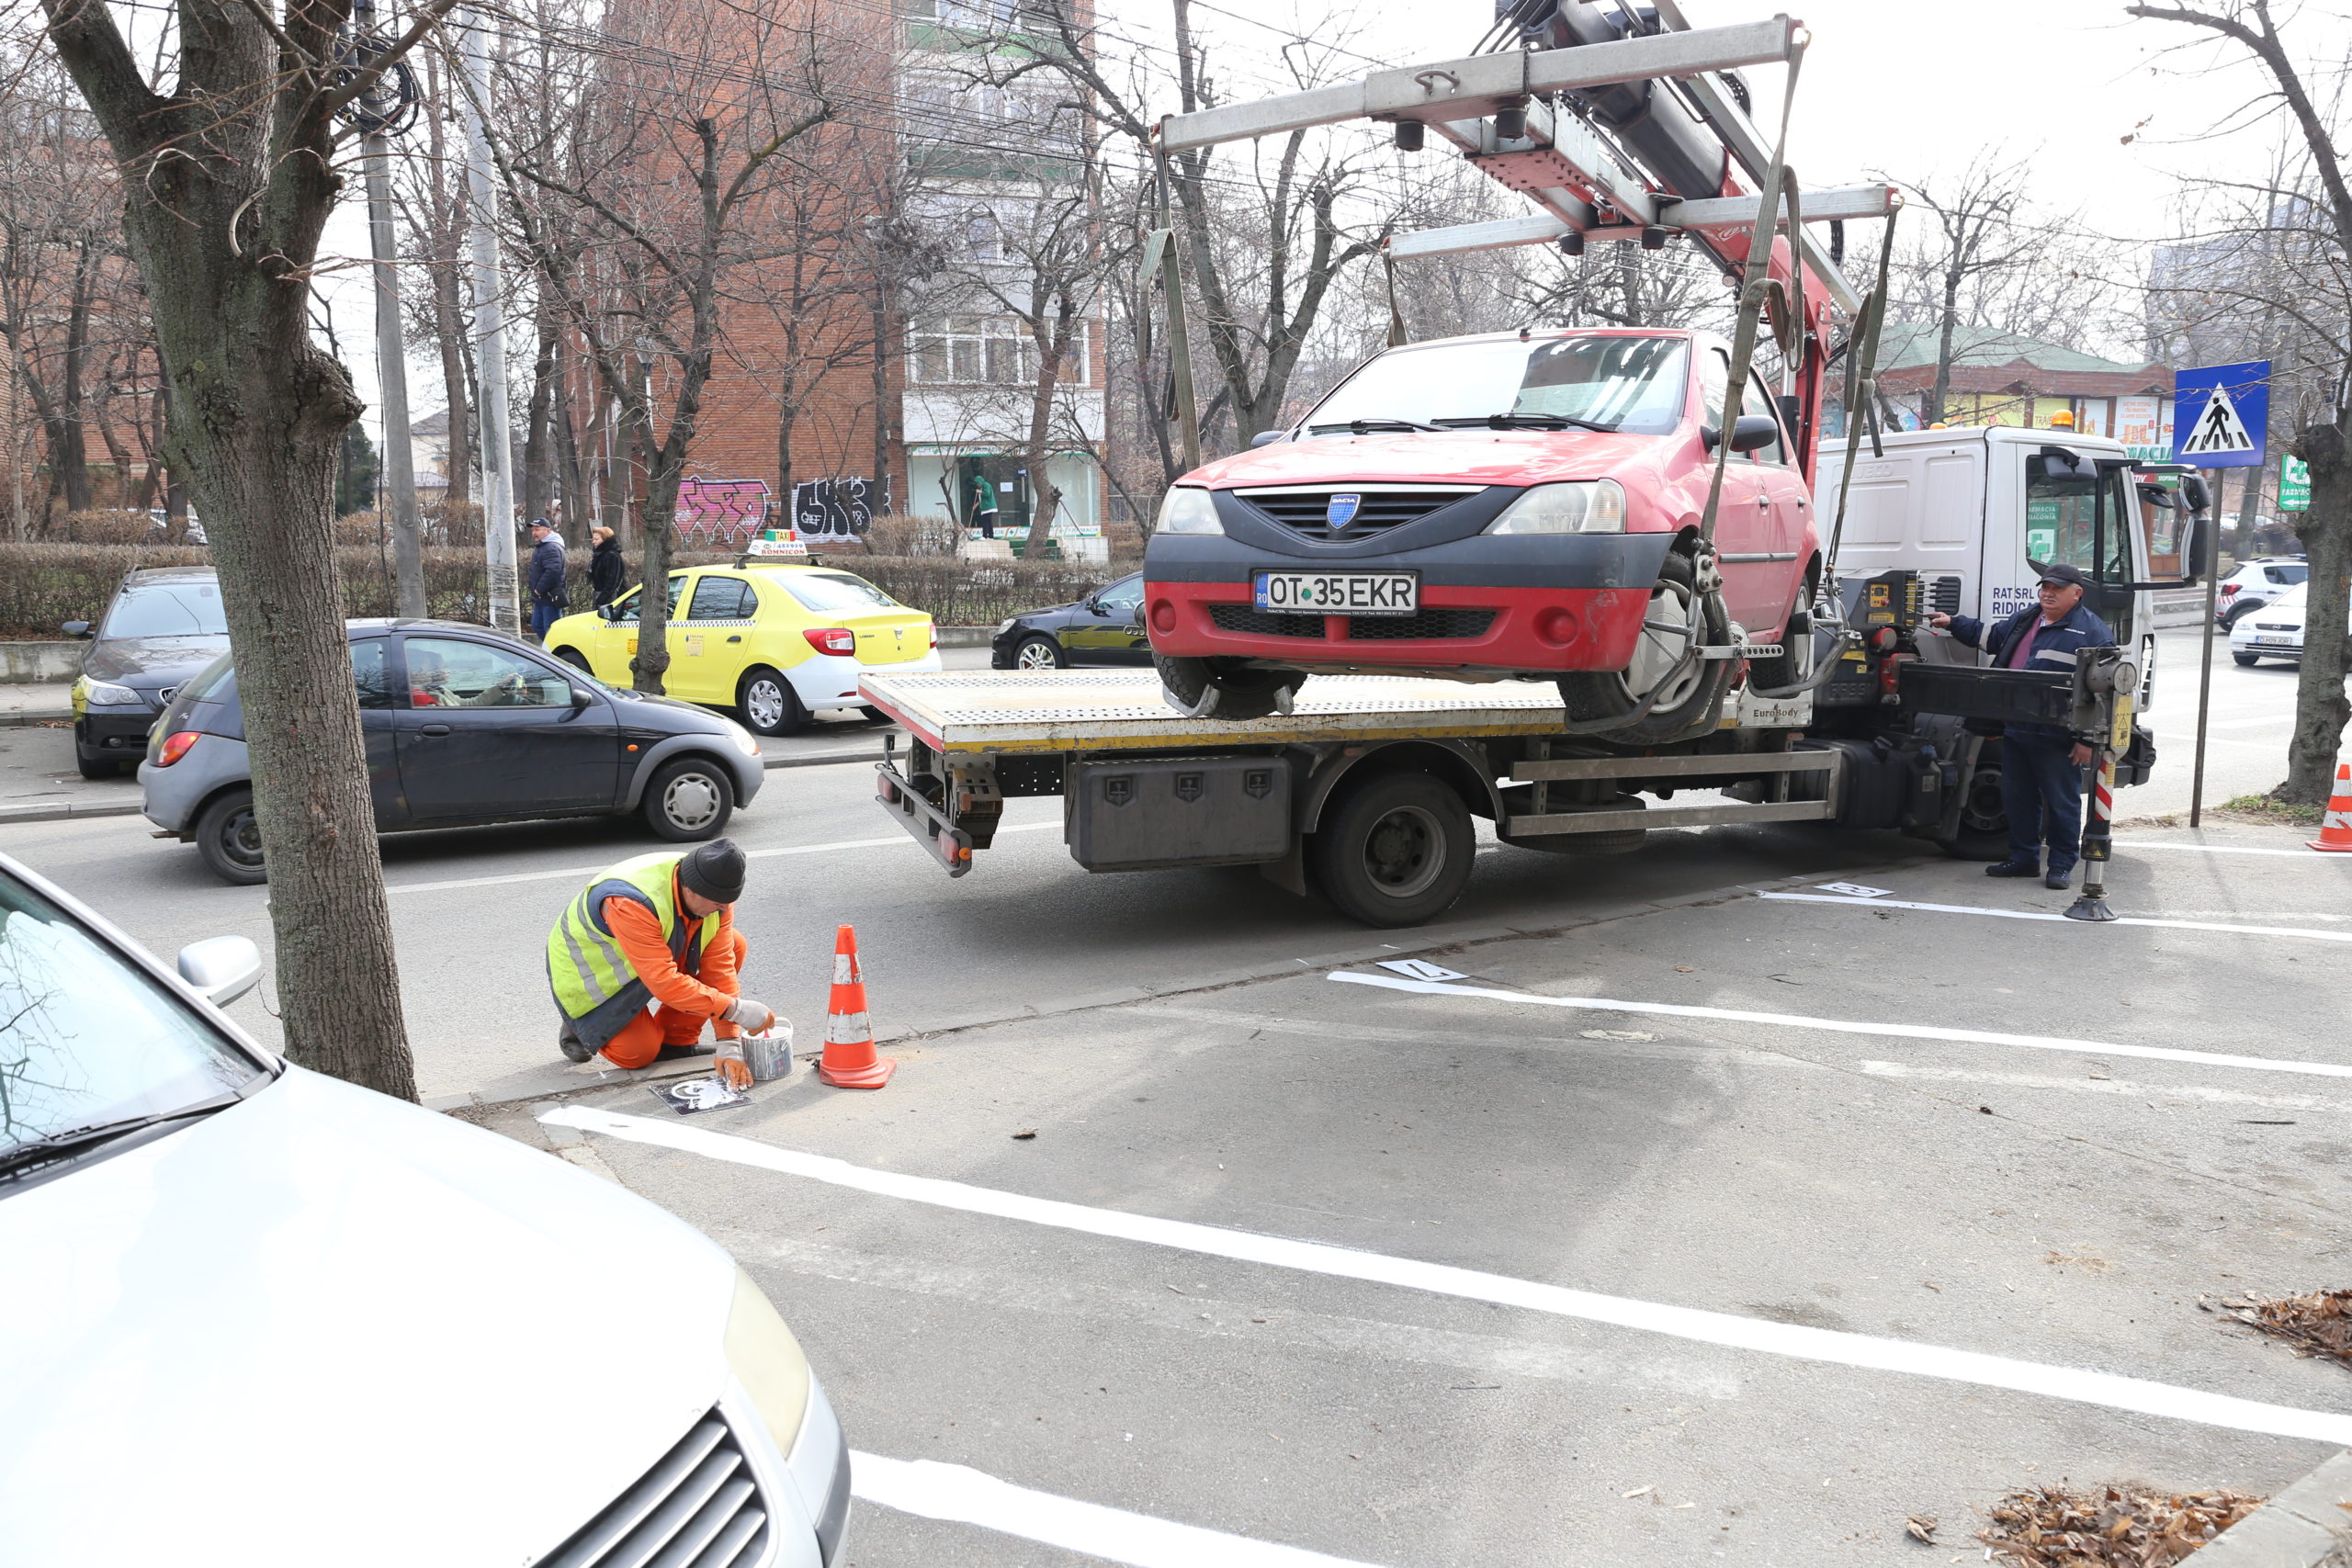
[2336, 835]
[849, 1061]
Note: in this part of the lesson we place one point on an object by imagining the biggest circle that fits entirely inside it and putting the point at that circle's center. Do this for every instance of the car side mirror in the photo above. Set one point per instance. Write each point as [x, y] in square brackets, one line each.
[580, 698]
[2200, 548]
[1751, 430]
[76, 628]
[1137, 616]
[1268, 438]
[220, 968]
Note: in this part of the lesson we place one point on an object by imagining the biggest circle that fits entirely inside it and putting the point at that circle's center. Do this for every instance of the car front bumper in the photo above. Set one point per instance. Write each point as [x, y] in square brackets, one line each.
[120, 733]
[1487, 605]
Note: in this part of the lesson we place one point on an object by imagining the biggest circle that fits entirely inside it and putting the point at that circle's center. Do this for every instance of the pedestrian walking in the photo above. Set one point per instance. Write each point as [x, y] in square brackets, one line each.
[608, 574]
[984, 505]
[549, 597]
[2042, 764]
[648, 953]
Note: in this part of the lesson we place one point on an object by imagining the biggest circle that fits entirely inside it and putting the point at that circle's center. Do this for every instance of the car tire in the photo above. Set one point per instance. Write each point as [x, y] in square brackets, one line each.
[1038, 651]
[1593, 697]
[1778, 675]
[2236, 613]
[873, 714]
[229, 837]
[1222, 688]
[2237, 657]
[689, 800]
[768, 704]
[96, 767]
[1395, 851]
[576, 658]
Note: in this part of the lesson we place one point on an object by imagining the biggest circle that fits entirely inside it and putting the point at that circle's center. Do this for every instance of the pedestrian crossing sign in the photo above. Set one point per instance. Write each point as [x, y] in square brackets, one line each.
[2221, 415]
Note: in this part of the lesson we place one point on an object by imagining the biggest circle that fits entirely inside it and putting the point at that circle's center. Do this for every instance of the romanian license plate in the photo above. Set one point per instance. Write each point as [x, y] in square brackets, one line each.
[2273, 641]
[1340, 592]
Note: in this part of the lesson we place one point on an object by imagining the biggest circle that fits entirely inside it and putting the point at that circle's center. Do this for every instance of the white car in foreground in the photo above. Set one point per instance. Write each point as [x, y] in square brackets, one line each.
[2273, 631]
[256, 1317]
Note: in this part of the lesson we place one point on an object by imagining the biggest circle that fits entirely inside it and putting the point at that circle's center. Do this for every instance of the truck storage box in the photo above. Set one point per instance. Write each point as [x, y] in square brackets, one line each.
[2028, 697]
[1155, 811]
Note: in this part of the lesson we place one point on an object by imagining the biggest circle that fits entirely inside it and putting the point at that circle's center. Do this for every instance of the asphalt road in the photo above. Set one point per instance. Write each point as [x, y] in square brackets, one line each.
[1612, 1284]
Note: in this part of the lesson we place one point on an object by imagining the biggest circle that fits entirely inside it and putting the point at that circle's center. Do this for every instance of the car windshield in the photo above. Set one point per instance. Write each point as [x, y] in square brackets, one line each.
[184, 609]
[1631, 384]
[87, 1038]
[835, 592]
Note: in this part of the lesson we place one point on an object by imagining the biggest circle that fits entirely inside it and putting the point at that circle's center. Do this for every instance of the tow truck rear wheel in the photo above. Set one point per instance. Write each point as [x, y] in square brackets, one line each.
[1222, 688]
[1983, 830]
[1395, 851]
[1687, 704]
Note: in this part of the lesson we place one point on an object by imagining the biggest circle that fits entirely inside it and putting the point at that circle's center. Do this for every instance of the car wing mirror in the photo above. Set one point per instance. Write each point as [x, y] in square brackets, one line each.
[76, 628]
[580, 698]
[1751, 430]
[1268, 438]
[1137, 616]
[220, 968]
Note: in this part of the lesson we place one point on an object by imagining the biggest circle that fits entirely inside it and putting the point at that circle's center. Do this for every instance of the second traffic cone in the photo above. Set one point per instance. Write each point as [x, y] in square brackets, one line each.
[849, 1061]
[2336, 835]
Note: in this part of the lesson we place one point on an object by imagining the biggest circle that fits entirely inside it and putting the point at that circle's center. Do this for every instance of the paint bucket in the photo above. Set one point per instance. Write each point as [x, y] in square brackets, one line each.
[769, 1053]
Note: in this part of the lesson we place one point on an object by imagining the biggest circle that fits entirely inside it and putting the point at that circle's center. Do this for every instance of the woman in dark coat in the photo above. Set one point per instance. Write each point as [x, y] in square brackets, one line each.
[608, 574]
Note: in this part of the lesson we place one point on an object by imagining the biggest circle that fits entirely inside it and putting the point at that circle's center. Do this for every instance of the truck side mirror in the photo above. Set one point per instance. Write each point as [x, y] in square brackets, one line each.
[2202, 530]
[2194, 492]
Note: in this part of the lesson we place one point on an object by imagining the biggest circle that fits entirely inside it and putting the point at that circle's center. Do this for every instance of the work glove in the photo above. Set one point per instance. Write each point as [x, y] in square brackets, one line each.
[745, 1013]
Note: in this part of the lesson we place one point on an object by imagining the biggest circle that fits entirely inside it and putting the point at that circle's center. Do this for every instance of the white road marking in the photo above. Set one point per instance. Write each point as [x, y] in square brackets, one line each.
[1829, 1346]
[2042, 915]
[572, 872]
[2107, 1086]
[2229, 850]
[1851, 1026]
[934, 1491]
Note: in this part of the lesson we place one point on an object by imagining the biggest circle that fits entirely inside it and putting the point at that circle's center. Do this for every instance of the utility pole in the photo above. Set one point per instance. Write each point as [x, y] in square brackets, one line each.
[391, 353]
[489, 347]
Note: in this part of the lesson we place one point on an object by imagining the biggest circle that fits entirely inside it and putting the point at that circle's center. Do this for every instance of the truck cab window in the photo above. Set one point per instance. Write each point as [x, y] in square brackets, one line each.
[2062, 516]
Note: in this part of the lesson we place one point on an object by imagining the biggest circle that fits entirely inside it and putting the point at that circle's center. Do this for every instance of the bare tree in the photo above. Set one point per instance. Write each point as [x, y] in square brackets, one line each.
[2316, 213]
[433, 201]
[228, 149]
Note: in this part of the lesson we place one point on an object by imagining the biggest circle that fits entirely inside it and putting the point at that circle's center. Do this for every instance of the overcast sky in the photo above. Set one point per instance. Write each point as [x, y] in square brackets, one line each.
[1910, 87]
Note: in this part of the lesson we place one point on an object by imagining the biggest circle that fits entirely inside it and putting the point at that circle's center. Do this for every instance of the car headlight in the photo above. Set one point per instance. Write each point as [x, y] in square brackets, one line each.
[120, 696]
[744, 740]
[1187, 509]
[1588, 506]
[767, 1361]
[1005, 625]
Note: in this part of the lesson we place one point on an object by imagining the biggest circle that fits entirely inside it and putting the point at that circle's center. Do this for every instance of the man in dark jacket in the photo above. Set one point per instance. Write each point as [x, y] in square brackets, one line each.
[548, 597]
[2042, 764]
[608, 574]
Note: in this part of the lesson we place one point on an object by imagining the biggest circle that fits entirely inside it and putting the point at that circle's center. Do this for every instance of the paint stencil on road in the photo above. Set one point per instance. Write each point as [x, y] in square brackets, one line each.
[1421, 969]
[1853, 889]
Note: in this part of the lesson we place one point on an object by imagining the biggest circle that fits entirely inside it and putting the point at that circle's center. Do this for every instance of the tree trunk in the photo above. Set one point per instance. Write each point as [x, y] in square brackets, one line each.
[2325, 530]
[449, 318]
[1943, 388]
[69, 451]
[879, 496]
[1053, 345]
[538, 441]
[574, 474]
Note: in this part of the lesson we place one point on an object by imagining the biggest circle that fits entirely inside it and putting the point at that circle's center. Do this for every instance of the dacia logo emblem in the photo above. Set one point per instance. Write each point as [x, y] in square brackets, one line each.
[1341, 510]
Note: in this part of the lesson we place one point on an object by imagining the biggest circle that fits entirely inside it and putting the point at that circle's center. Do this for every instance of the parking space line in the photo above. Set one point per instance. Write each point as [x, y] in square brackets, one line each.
[963, 1495]
[1728, 1329]
[574, 872]
[1850, 1026]
[2305, 931]
[1910, 1073]
[2305, 855]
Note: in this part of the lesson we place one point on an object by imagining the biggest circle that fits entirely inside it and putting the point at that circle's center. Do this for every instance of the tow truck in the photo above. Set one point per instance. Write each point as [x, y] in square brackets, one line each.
[1368, 788]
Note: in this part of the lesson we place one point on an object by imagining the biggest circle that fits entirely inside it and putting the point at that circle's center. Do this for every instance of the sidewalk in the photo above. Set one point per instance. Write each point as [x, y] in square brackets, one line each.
[36, 702]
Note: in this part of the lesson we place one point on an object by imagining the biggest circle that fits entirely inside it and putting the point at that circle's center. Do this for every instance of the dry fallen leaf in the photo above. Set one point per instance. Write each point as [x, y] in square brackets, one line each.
[1029, 1133]
[2115, 1526]
[2318, 1323]
[1921, 1527]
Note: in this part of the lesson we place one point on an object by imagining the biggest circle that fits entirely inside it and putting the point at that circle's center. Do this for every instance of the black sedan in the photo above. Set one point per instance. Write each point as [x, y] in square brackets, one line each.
[1099, 630]
[462, 726]
[163, 626]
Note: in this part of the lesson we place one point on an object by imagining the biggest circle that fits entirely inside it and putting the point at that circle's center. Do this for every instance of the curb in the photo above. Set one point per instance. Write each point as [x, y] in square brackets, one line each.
[25, 718]
[2307, 1526]
[67, 812]
[545, 1083]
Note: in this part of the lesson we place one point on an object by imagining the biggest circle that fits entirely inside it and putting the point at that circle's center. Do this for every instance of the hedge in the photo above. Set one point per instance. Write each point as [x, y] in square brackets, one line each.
[44, 585]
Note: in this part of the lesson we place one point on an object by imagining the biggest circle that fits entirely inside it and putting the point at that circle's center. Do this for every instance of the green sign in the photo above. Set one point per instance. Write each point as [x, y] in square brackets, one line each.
[2294, 485]
[2042, 529]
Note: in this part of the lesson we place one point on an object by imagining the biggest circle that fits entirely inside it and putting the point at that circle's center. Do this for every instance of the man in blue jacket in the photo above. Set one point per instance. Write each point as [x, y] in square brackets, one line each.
[549, 595]
[2042, 764]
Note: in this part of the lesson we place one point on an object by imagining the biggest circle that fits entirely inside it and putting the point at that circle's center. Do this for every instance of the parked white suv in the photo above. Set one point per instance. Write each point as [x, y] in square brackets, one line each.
[258, 1317]
[2255, 583]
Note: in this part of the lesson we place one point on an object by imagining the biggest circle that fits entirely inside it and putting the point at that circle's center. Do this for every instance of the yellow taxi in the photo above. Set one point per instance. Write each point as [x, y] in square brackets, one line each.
[774, 642]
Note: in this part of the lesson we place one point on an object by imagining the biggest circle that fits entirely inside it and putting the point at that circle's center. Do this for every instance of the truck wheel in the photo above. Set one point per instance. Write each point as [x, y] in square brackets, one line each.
[1687, 705]
[1217, 688]
[1396, 850]
[229, 837]
[769, 705]
[689, 800]
[1983, 832]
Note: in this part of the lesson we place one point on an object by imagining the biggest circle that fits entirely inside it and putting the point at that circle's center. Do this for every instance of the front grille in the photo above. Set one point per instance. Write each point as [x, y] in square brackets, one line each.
[1263, 622]
[2277, 626]
[698, 1505]
[1306, 511]
[1426, 624]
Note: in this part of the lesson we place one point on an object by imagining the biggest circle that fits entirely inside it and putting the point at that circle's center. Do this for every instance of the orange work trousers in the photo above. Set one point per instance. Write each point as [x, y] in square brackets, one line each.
[642, 1037]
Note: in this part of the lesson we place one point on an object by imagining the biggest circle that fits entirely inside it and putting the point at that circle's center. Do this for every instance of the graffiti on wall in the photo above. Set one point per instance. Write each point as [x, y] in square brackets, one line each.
[837, 509]
[722, 511]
